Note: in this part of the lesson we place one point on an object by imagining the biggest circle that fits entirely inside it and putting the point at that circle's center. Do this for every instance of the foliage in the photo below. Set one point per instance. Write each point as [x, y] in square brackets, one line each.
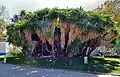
[117, 43]
[3, 21]
[15, 51]
[112, 8]
[41, 20]
[84, 20]
[14, 35]
[4, 15]
[48, 32]
[75, 46]
[76, 16]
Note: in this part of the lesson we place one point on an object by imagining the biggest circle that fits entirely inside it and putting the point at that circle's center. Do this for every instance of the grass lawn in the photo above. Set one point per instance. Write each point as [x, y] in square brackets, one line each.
[96, 65]
[8, 56]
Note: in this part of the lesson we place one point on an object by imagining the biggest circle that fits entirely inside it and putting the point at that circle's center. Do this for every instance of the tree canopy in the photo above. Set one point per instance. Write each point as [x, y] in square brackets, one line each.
[112, 9]
[88, 22]
[3, 20]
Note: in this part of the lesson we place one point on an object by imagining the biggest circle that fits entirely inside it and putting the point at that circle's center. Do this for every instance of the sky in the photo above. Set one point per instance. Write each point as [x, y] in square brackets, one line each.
[15, 6]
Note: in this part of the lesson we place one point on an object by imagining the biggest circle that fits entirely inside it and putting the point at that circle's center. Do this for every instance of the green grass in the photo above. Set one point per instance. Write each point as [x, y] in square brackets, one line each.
[96, 64]
[8, 56]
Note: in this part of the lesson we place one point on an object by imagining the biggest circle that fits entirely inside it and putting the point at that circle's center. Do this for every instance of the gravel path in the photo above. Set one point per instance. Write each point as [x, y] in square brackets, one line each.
[8, 70]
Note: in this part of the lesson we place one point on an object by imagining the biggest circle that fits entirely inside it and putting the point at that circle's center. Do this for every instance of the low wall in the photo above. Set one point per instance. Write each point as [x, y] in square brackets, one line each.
[3, 48]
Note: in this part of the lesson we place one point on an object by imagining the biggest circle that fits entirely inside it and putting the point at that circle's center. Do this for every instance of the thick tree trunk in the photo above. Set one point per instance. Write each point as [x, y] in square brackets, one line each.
[57, 44]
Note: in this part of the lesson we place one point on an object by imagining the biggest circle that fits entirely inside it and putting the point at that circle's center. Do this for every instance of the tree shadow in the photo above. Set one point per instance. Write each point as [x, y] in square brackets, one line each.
[100, 65]
[96, 65]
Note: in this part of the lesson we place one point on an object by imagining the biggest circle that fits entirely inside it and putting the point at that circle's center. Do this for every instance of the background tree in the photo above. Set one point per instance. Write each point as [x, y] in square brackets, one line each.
[112, 8]
[4, 17]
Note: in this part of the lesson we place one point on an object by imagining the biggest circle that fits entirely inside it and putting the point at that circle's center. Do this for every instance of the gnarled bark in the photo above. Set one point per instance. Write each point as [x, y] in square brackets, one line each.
[56, 44]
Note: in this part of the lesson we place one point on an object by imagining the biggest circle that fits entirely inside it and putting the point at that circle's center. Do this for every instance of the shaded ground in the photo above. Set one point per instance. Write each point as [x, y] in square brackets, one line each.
[96, 65]
[8, 70]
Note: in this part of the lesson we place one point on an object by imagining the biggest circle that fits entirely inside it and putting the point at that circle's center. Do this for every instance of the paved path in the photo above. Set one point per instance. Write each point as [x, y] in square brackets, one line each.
[8, 70]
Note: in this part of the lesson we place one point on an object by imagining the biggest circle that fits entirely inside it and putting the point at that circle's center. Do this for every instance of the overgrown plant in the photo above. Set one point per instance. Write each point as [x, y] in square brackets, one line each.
[54, 26]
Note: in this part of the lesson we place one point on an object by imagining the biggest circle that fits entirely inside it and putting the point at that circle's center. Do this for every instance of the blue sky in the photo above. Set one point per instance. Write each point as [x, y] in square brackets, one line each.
[14, 6]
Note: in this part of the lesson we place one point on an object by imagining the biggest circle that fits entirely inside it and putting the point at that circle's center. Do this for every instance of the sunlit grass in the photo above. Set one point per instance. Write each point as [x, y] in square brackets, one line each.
[8, 55]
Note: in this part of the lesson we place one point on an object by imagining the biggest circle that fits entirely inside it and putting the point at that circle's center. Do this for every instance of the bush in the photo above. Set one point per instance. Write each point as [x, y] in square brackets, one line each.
[15, 51]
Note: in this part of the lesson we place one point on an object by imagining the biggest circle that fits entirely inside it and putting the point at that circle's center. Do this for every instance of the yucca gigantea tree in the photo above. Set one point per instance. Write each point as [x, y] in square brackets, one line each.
[56, 31]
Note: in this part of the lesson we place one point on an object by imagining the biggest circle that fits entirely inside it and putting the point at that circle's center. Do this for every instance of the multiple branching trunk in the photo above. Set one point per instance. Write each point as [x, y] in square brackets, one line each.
[56, 46]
